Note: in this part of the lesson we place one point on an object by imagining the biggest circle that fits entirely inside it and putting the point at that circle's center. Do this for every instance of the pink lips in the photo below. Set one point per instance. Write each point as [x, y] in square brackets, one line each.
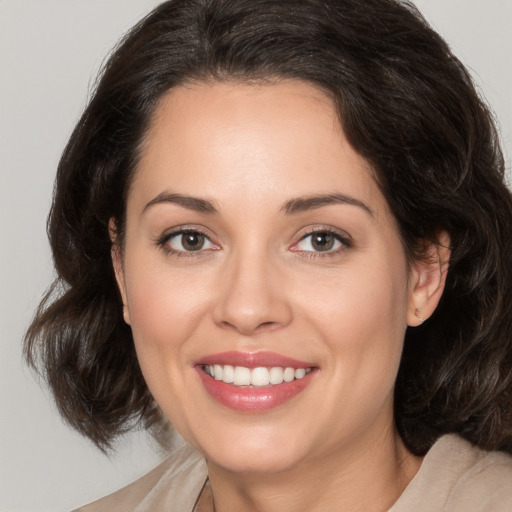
[250, 398]
[253, 360]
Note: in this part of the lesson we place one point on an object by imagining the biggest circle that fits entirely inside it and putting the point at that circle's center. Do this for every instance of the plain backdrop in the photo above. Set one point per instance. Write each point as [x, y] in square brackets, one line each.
[50, 51]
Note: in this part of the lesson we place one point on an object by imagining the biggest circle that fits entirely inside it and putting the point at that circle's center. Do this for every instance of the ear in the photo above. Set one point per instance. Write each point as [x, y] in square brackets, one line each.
[117, 263]
[427, 280]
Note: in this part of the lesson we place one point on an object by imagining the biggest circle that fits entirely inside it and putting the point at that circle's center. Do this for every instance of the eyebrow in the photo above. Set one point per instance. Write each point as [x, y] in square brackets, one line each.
[196, 204]
[302, 204]
[293, 206]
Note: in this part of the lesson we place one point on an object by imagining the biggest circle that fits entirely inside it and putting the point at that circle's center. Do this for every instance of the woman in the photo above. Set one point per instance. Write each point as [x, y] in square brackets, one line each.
[283, 226]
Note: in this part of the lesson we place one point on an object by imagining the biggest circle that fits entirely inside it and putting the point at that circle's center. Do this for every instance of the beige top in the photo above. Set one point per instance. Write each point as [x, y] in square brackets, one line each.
[454, 477]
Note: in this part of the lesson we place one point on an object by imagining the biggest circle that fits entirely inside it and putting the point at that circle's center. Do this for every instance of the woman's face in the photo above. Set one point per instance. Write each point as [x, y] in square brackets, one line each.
[259, 246]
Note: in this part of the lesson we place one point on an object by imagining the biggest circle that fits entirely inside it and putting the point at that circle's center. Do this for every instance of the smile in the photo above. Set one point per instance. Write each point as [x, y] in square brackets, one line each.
[259, 377]
[253, 382]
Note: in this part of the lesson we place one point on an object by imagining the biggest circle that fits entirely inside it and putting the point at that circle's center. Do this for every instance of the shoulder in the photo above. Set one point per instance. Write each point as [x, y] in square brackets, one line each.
[458, 477]
[485, 484]
[173, 485]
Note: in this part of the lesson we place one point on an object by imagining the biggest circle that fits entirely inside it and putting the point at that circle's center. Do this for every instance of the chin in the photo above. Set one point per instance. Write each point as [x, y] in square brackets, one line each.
[254, 463]
[252, 452]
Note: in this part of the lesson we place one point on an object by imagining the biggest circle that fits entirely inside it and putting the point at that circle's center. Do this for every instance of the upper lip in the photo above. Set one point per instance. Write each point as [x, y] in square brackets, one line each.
[252, 360]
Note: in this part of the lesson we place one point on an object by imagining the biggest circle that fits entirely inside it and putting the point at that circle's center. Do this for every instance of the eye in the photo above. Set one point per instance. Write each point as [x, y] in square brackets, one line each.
[188, 241]
[321, 241]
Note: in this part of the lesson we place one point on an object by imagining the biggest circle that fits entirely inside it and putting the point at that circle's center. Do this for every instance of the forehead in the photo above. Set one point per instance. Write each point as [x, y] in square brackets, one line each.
[245, 140]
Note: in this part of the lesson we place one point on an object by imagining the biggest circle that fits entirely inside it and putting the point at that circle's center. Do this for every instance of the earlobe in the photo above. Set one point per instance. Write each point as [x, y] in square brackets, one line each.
[117, 264]
[427, 280]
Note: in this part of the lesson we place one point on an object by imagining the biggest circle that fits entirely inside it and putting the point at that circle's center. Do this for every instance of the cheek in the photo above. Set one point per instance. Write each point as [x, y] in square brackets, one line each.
[372, 297]
[163, 315]
[164, 312]
[361, 314]
[361, 318]
[159, 299]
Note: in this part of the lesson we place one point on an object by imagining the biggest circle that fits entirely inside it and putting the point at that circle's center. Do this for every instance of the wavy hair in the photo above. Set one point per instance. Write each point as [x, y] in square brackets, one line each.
[405, 103]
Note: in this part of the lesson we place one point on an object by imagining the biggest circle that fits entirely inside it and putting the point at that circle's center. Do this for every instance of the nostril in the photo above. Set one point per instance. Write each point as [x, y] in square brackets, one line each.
[248, 328]
[267, 325]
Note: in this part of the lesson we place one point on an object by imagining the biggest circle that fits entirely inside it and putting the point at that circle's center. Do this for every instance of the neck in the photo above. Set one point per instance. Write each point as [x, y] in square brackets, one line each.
[363, 476]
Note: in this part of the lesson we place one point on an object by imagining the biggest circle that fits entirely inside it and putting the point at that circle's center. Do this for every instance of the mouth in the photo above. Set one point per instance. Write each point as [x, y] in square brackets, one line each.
[253, 382]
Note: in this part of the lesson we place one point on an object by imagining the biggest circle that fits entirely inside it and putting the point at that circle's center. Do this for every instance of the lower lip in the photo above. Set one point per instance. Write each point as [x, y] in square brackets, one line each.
[251, 398]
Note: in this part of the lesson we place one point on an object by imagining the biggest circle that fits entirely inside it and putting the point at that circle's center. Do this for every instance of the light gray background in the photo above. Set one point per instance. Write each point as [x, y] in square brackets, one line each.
[50, 51]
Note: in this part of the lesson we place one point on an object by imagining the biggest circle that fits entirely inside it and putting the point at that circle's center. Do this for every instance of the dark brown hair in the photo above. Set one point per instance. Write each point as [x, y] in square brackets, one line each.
[406, 104]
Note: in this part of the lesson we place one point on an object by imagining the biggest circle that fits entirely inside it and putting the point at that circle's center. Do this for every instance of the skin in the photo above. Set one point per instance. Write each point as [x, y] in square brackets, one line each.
[258, 284]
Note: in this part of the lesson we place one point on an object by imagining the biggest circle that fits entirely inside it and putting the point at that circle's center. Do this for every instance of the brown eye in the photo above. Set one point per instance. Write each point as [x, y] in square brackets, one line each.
[192, 241]
[189, 241]
[321, 241]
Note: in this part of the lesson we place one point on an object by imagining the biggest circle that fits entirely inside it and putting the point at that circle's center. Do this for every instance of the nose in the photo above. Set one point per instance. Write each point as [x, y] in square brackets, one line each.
[253, 296]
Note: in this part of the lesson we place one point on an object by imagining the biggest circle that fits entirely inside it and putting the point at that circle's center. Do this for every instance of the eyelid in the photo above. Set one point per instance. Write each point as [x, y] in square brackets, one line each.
[342, 236]
[162, 241]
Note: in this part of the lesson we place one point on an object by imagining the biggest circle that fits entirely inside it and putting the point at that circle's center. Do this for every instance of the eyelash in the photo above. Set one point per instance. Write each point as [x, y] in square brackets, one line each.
[163, 243]
[344, 240]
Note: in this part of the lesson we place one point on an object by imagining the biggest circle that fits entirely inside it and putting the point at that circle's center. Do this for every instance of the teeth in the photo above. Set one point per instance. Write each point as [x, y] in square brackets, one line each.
[299, 373]
[289, 375]
[275, 375]
[242, 376]
[261, 376]
[217, 369]
[228, 375]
